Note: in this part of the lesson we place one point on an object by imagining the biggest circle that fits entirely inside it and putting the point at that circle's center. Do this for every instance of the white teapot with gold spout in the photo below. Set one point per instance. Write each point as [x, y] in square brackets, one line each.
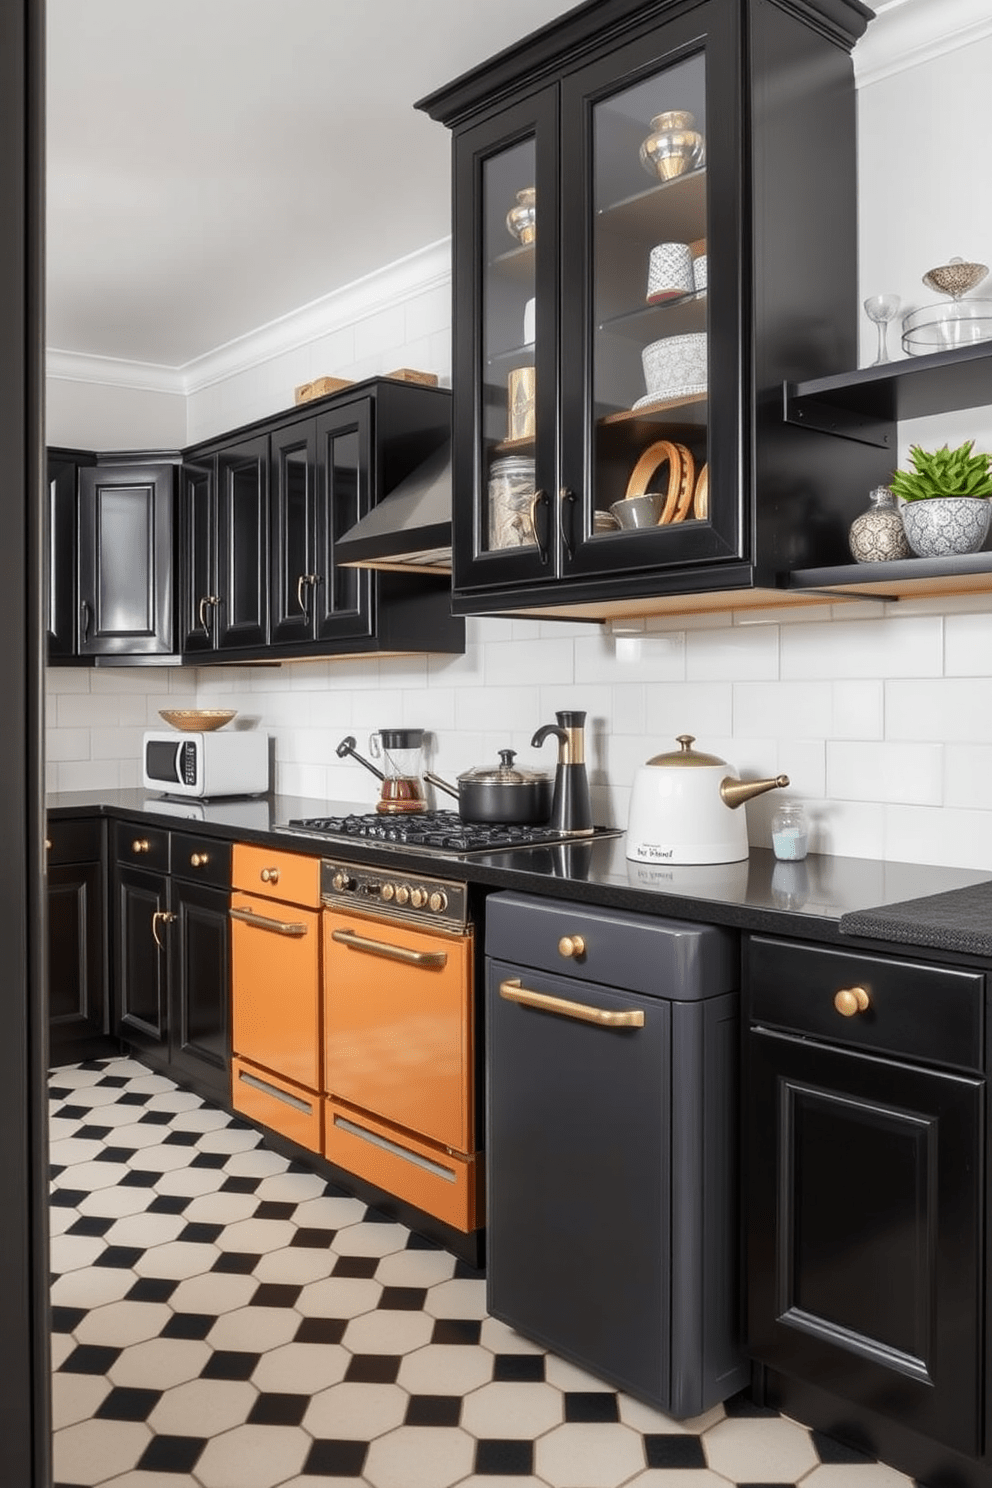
[685, 808]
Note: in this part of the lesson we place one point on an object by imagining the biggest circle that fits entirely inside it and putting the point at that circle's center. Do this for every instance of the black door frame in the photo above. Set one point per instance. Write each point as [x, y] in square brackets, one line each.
[25, 1415]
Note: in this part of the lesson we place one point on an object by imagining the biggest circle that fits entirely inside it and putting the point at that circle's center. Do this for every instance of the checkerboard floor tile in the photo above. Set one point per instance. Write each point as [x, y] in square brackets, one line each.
[224, 1318]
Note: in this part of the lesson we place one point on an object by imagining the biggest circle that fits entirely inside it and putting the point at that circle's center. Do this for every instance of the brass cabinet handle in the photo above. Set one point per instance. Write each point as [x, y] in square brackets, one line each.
[566, 508]
[851, 1000]
[304, 579]
[161, 917]
[261, 922]
[140, 845]
[512, 991]
[572, 945]
[541, 499]
[269, 875]
[199, 860]
[356, 942]
[48, 844]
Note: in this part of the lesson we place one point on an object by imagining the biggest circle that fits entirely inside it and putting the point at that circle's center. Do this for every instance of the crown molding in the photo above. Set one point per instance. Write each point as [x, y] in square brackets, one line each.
[428, 268]
[906, 33]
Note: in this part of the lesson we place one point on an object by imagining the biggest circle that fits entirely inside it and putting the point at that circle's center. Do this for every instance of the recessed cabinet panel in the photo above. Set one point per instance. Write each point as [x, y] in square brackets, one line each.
[294, 521]
[125, 560]
[864, 1221]
[142, 950]
[343, 596]
[243, 544]
[199, 566]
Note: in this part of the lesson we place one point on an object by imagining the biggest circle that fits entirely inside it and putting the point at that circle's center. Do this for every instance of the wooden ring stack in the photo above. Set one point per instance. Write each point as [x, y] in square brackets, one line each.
[681, 478]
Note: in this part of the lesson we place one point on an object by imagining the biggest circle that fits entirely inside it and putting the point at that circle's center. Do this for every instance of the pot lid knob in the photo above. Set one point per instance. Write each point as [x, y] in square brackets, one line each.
[685, 756]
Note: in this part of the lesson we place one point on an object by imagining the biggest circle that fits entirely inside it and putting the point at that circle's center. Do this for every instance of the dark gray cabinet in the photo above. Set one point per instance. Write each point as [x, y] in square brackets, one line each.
[865, 1184]
[172, 953]
[611, 1159]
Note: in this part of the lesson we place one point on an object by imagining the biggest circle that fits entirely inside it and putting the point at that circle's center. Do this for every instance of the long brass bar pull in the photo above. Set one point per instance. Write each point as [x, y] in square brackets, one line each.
[356, 942]
[260, 922]
[512, 991]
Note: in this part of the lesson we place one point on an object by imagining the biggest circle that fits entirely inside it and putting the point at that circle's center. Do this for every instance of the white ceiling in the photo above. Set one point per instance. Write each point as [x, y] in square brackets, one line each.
[215, 164]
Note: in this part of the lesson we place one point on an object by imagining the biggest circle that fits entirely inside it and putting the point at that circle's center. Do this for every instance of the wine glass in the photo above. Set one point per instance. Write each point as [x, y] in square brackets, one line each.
[880, 309]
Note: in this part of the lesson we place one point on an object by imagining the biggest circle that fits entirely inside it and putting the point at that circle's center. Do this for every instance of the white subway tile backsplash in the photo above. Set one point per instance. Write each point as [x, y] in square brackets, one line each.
[858, 710]
[960, 838]
[941, 709]
[792, 710]
[887, 772]
[859, 648]
[521, 662]
[967, 645]
[853, 829]
[968, 776]
[647, 658]
[732, 654]
[704, 709]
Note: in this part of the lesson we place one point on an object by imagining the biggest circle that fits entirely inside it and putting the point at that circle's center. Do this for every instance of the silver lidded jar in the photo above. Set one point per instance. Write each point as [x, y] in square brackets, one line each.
[511, 501]
[878, 535]
[674, 145]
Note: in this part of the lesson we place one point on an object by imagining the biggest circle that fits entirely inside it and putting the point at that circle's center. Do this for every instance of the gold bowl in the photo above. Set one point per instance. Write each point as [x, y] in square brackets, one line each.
[197, 720]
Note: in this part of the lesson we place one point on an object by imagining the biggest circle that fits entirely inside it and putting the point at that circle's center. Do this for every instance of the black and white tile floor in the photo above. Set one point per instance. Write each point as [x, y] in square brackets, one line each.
[223, 1318]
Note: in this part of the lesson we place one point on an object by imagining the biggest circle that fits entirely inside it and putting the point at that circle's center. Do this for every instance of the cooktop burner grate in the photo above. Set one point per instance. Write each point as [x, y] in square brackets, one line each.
[440, 831]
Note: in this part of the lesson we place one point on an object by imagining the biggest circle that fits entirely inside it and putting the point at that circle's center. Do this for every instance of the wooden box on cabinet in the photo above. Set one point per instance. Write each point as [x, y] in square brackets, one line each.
[770, 195]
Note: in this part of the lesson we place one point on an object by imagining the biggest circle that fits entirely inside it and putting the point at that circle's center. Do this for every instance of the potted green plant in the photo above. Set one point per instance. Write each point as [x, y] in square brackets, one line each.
[946, 500]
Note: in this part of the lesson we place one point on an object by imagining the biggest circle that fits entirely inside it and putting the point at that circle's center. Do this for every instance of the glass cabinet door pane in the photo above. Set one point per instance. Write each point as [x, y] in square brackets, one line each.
[649, 341]
[509, 338]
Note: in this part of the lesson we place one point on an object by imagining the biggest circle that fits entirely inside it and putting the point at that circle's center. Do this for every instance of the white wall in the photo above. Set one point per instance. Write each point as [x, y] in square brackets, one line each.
[881, 714]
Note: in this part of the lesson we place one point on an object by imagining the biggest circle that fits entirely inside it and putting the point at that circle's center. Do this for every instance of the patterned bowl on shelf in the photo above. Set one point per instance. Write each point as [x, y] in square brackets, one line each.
[939, 526]
[674, 363]
[197, 720]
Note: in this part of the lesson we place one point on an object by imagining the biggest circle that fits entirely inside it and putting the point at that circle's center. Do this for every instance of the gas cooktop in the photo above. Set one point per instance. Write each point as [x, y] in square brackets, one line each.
[436, 831]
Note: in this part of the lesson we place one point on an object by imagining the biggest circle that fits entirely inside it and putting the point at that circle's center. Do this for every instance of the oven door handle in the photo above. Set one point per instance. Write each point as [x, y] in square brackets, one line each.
[512, 991]
[260, 922]
[356, 942]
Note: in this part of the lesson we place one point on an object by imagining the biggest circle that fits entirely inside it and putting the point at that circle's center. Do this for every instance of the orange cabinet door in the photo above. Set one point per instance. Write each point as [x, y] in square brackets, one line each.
[275, 960]
[398, 1025]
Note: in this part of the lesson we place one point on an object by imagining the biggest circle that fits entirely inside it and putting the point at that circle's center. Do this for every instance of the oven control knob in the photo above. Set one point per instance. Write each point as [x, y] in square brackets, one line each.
[418, 898]
[439, 901]
[402, 894]
[341, 881]
[388, 890]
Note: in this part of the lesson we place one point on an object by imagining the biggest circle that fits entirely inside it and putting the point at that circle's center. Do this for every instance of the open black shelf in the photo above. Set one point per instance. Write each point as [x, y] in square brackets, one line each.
[867, 404]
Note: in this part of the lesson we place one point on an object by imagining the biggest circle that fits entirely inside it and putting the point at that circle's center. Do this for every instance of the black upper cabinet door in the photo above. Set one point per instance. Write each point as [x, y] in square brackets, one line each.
[613, 214]
[243, 544]
[198, 601]
[126, 567]
[864, 1219]
[505, 399]
[61, 607]
[341, 598]
[294, 526]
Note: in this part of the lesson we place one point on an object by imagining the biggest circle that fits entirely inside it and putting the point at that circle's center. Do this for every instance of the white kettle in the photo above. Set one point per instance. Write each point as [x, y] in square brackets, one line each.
[684, 808]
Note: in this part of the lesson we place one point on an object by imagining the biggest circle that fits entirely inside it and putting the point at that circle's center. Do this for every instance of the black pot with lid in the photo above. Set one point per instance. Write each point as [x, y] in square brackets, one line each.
[505, 792]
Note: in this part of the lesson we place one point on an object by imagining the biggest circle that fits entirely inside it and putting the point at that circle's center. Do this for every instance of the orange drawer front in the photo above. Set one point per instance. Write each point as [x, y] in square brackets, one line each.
[276, 875]
[447, 1186]
[277, 1104]
[275, 988]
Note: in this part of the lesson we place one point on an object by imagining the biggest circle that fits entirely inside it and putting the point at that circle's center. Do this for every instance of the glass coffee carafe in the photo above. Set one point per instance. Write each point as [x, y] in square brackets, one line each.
[401, 754]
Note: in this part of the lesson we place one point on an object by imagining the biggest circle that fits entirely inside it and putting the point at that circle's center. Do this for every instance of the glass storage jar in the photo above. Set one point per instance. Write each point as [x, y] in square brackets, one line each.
[790, 832]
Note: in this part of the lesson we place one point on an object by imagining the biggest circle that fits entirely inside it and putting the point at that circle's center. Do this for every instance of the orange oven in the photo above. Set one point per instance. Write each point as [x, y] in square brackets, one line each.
[399, 1057]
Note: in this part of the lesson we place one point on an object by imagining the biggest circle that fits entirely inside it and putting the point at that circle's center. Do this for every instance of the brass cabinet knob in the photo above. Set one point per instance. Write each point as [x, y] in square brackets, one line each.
[851, 1000]
[270, 875]
[572, 946]
[199, 860]
[140, 845]
[48, 844]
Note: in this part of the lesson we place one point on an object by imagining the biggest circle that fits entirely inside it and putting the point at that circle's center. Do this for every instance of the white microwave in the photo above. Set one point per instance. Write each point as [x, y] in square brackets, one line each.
[206, 765]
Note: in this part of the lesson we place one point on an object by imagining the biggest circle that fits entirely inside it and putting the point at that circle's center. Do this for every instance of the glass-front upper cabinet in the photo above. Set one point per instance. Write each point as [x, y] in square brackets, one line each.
[654, 227]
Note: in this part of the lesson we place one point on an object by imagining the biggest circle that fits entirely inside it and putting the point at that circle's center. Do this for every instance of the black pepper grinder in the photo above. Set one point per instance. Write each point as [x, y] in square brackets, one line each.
[571, 809]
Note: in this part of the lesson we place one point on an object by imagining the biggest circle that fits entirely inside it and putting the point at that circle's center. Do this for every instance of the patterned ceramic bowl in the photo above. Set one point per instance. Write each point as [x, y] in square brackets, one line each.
[675, 365]
[941, 525]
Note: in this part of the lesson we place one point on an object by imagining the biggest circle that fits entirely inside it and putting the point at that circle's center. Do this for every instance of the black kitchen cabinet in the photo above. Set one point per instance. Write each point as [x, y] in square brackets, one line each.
[320, 488]
[261, 518]
[557, 421]
[865, 1185]
[224, 547]
[78, 987]
[172, 954]
[611, 1203]
[126, 559]
[61, 539]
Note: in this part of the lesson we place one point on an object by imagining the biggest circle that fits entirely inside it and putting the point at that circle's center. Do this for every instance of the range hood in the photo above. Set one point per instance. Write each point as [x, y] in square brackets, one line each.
[410, 529]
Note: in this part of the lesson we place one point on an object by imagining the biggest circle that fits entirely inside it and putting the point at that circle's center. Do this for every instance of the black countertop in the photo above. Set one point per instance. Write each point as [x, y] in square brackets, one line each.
[833, 899]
